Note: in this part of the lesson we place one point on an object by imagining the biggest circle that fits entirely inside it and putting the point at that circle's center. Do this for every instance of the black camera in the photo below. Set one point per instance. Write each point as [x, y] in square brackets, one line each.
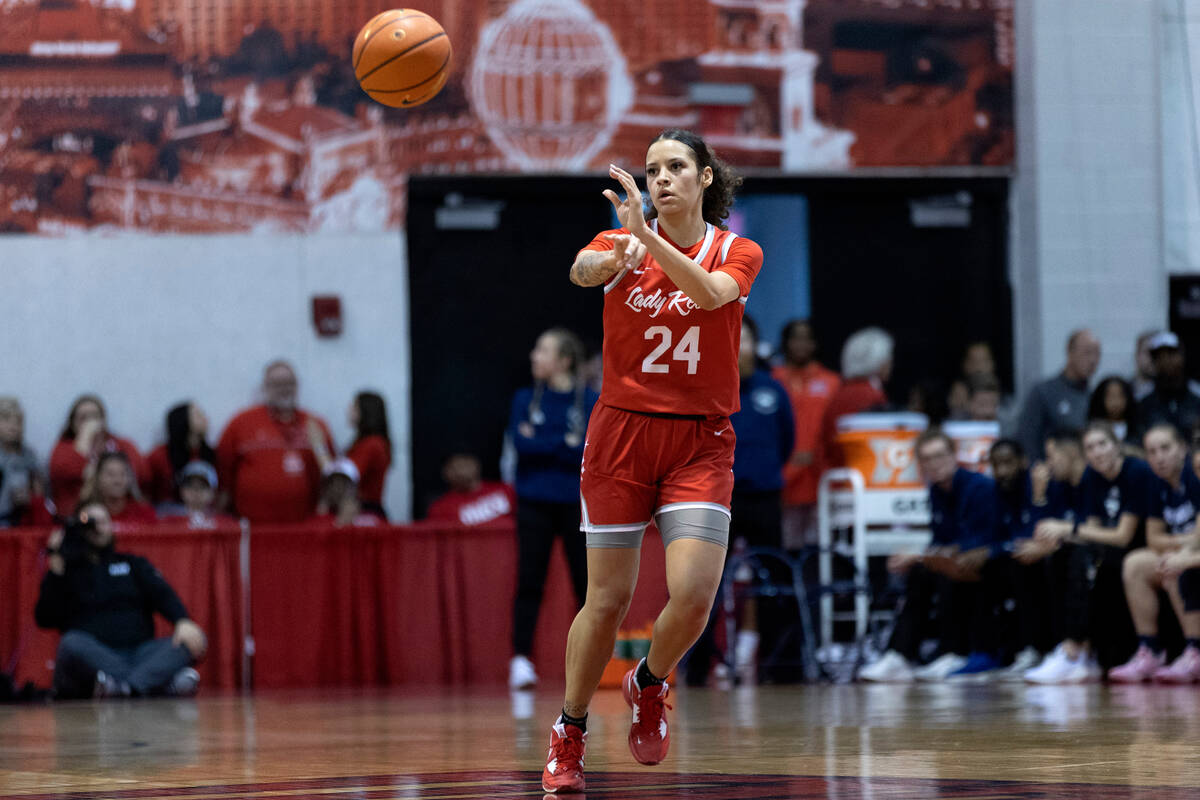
[75, 545]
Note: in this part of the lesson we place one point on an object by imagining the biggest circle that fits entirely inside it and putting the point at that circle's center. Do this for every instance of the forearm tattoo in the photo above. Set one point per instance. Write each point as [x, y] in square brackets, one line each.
[593, 269]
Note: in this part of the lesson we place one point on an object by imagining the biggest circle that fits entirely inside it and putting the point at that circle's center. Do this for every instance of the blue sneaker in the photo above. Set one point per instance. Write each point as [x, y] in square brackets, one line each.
[980, 668]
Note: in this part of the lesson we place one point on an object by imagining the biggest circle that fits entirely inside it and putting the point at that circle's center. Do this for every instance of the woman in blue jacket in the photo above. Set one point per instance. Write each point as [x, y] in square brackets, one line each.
[546, 428]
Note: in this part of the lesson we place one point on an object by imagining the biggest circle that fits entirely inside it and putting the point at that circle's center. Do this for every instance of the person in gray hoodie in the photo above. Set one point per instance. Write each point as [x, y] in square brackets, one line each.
[1060, 402]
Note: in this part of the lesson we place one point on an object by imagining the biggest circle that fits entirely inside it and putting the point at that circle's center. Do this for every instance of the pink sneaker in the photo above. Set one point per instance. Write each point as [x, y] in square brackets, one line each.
[1185, 669]
[1140, 668]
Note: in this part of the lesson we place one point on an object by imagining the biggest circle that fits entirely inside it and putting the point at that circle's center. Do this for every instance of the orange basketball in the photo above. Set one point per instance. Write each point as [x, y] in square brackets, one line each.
[402, 57]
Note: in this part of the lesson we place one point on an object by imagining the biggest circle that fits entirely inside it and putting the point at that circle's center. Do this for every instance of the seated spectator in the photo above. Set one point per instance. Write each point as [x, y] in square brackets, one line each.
[983, 400]
[471, 500]
[1061, 401]
[1112, 402]
[198, 492]
[104, 603]
[339, 504]
[371, 450]
[111, 485]
[1183, 566]
[85, 438]
[1170, 528]
[866, 367]
[978, 363]
[21, 487]
[187, 429]
[963, 518]
[1174, 399]
[1058, 482]
[1115, 488]
[265, 458]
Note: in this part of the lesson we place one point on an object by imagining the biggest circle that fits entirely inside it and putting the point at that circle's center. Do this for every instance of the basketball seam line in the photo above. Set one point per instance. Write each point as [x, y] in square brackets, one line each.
[363, 52]
[415, 85]
[401, 53]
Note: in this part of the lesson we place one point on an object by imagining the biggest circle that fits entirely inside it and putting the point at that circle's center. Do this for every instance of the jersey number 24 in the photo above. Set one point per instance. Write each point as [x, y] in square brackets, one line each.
[688, 349]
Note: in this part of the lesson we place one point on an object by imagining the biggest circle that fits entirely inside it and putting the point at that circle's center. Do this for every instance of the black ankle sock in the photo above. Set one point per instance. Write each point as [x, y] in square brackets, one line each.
[645, 679]
[1194, 643]
[1151, 642]
[578, 722]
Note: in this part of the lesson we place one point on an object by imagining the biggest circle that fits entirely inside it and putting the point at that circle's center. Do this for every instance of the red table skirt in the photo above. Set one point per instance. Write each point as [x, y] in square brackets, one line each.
[417, 604]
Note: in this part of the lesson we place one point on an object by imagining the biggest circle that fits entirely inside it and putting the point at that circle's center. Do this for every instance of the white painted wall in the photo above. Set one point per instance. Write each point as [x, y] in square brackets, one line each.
[1087, 199]
[148, 321]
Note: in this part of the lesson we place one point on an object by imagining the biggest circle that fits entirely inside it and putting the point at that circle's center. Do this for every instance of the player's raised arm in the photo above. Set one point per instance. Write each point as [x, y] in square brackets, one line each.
[594, 267]
[708, 290]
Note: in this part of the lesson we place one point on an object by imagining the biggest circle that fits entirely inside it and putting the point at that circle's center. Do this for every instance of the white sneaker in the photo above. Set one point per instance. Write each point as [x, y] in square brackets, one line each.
[890, 668]
[521, 674]
[745, 652]
[1059, 668]
[940, 667]
[184, 683]
[1025, 660]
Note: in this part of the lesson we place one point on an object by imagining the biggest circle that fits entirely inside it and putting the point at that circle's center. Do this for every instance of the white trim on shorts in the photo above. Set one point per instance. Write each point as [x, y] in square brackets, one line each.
[696, 504]
[586, 525]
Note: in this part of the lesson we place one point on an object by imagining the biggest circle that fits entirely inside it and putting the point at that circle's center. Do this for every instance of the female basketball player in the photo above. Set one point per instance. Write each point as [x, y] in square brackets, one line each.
[659, 444]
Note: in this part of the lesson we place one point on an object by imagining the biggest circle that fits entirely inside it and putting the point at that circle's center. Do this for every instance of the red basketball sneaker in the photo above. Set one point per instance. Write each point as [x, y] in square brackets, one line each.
[648, 736]
[564, 762]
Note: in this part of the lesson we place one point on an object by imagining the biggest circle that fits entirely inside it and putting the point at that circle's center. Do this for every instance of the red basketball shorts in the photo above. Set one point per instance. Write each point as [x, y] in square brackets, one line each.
[637, 466]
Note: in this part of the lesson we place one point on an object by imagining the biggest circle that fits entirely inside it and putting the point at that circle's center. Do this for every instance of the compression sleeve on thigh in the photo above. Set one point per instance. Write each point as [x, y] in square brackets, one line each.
[707, 524]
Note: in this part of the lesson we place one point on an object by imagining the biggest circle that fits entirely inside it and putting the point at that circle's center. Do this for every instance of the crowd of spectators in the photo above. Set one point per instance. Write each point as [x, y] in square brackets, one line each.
[1047, 562]
[274, 462]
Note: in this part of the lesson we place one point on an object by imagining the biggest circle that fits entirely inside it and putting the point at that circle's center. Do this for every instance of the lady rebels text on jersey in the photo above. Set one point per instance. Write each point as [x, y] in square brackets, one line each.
[664, 354]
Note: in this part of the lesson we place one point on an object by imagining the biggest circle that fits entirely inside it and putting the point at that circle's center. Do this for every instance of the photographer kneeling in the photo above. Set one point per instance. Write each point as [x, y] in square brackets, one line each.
[104, 604]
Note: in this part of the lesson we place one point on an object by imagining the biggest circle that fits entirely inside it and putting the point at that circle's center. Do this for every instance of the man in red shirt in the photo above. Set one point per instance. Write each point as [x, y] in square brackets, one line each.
[810, 386]
[471, 500]
[265, 459]
[866, 367]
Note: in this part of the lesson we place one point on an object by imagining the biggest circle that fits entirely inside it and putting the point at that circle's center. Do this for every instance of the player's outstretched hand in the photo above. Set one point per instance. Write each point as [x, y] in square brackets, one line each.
[629, 250]
[629, 211]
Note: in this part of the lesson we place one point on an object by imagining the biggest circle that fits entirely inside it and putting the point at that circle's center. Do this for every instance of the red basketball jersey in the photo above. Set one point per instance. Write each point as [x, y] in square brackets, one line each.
[662, 352]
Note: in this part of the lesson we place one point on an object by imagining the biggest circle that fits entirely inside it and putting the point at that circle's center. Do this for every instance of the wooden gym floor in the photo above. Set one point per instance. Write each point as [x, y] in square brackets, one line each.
[831, 742]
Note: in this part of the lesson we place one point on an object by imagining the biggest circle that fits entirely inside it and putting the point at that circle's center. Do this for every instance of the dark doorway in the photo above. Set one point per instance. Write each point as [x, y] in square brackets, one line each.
[480, 297]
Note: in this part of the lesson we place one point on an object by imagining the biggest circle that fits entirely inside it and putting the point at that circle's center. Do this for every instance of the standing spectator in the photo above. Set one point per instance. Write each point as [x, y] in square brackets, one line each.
[339, 505]
[810, 387]
[104, 603]
[265, 458]
[1170, 528]
[371, 450]
[963, 515]
[111, 484]
[1112, 402]
[1173, 399]
[20, 482]
[84, 438]
[1116, 489]
[471, 500]
[1142, 382]
[866, 367]
[1061, 401]
[547, 427]
[187, 431]
[197, 483]
[765, 431]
